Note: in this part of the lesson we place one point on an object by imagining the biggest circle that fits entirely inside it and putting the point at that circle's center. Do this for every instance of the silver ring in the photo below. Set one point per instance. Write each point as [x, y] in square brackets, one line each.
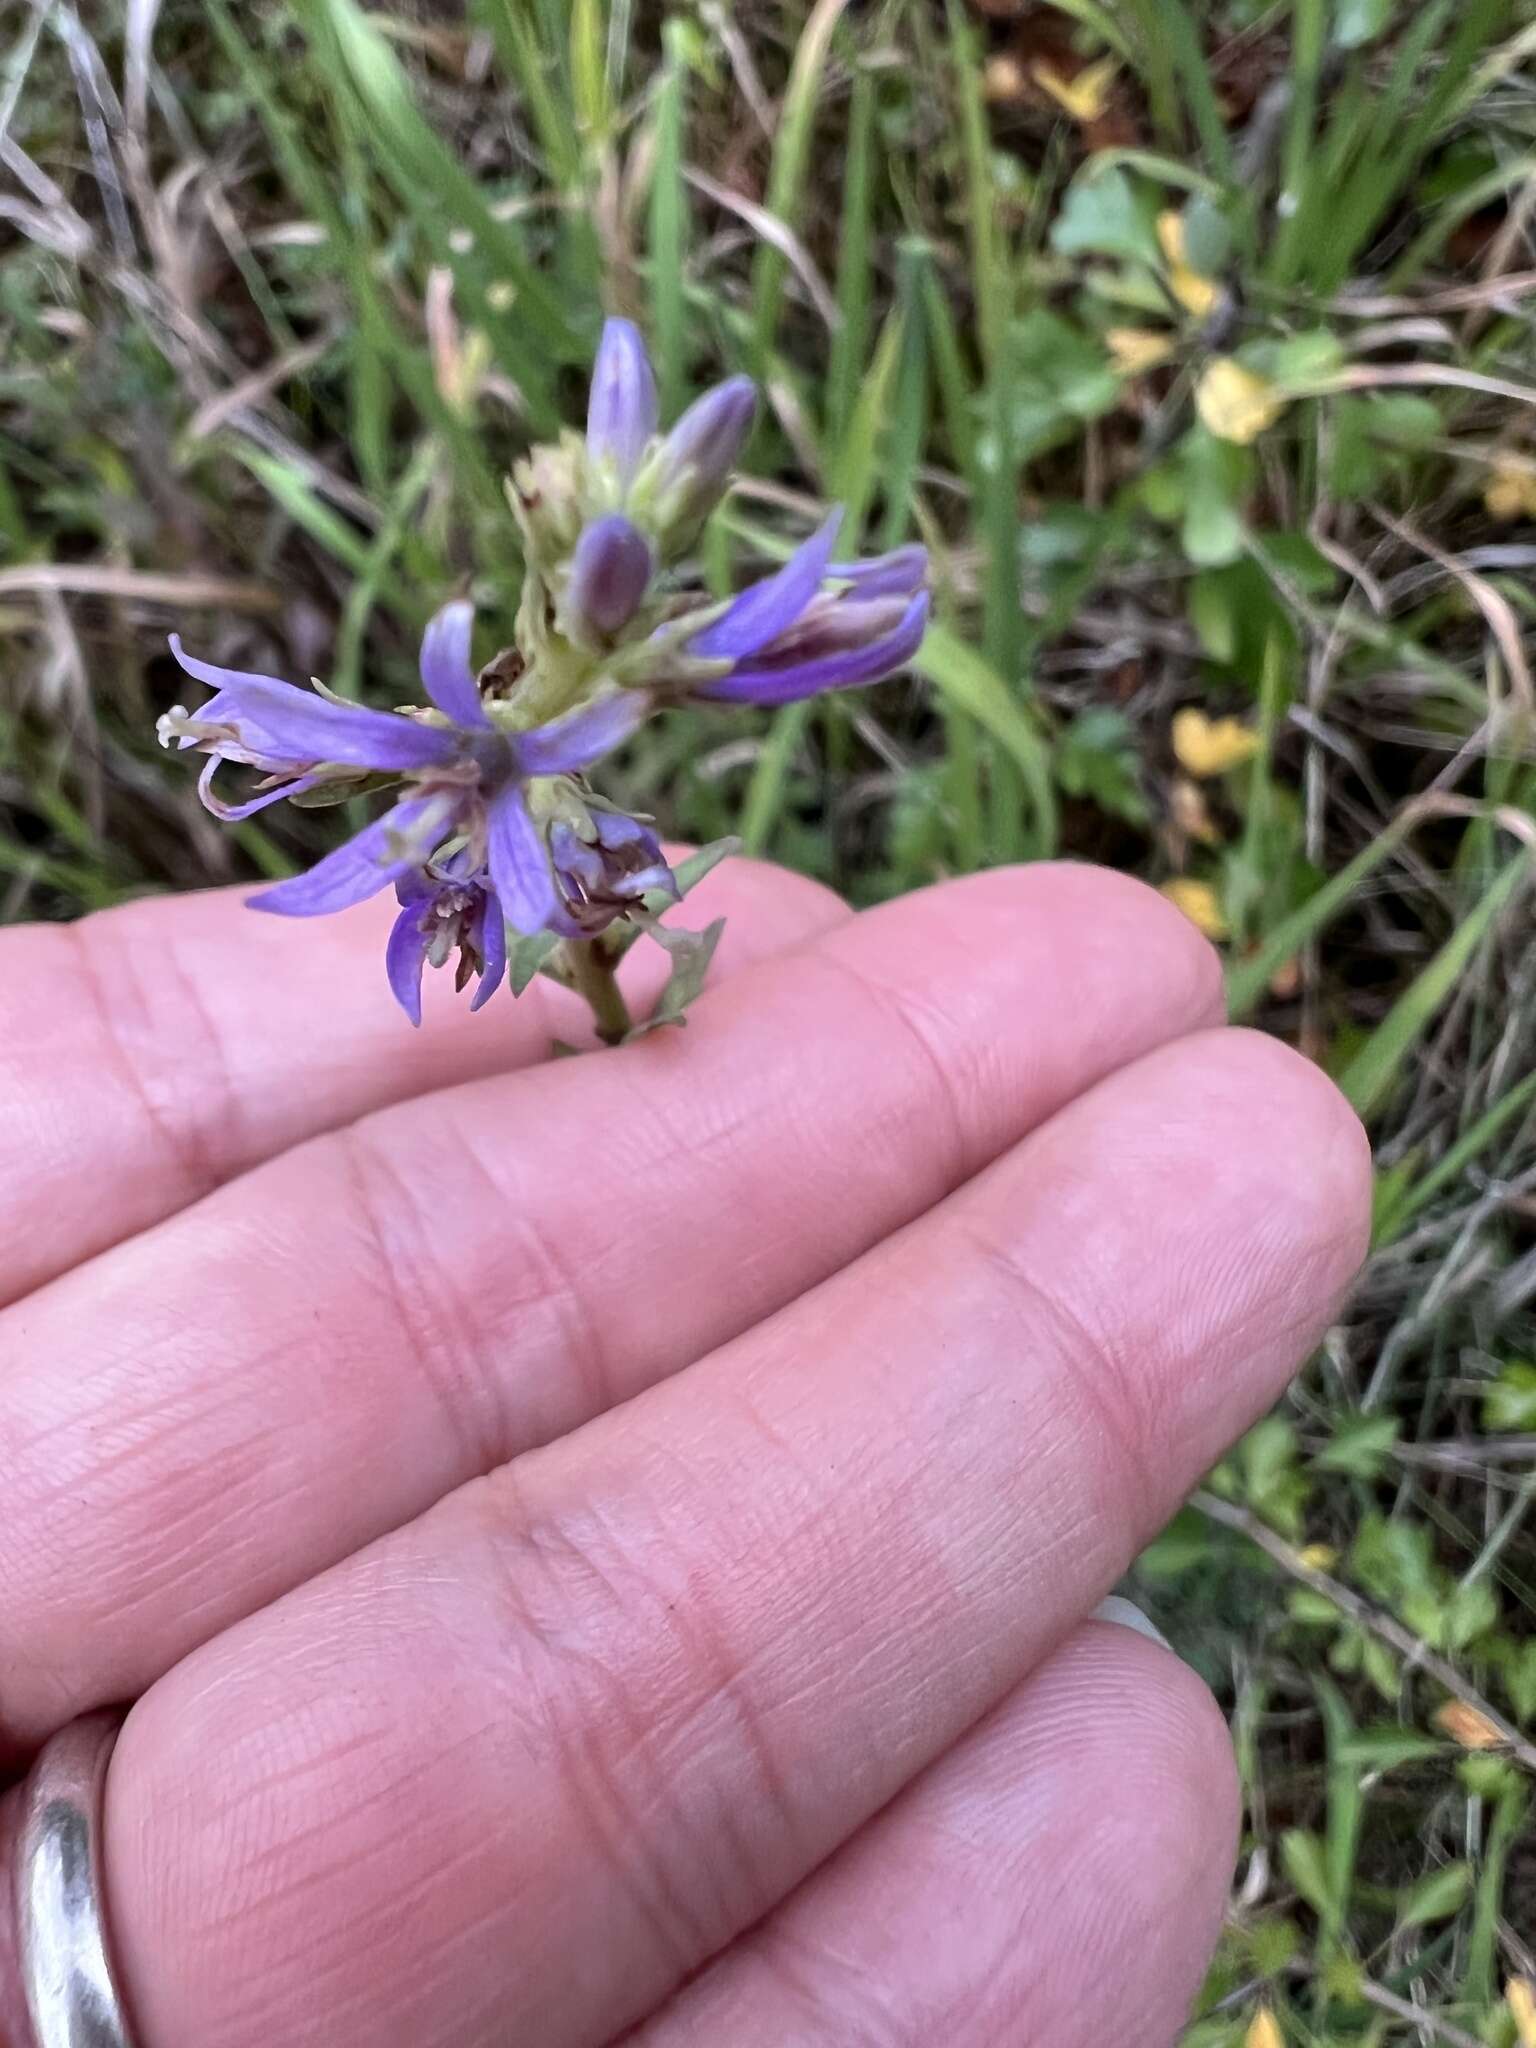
[66, 1962]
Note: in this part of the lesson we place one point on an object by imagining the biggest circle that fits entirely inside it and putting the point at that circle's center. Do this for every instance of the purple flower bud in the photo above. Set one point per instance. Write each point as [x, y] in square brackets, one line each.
[604, 866]
[699, 454]
[610, 573]
[621, 407]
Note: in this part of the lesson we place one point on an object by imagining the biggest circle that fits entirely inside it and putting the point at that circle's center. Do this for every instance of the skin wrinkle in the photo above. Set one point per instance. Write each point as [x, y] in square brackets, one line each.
[956, 1152]
[179, 1140]
[1114, 1407]
[555, 1287]
[1093, 1787]
[436, 1319]
[614, 1826]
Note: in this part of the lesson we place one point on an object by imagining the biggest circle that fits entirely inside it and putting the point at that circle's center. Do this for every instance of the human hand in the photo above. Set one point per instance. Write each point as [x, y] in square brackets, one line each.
[601, 1549]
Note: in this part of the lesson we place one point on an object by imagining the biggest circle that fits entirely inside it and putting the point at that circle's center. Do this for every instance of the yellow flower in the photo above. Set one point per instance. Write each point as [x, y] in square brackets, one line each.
[1467, 1726]
[1085, 95]
[1264, 2031]
[1199, 903]
[1510, 492]
[1235, 403]
[1520, 1997]
[1137, 348]
[1211, 746]
[1197, 294]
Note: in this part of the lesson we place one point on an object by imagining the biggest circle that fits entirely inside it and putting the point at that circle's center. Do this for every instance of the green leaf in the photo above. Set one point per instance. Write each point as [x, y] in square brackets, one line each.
[1359, 1446]
[1371, 1075]
[1097, 757]
[691, 953]
[690, 872]
[1301, 1853]
[1383, 1749]
[525, 957]
[1104, 214]
[1469, 1613]
[1360, 21]
[969, 680]
[1510, 1403]
[1436, 1896]
[1207, 235]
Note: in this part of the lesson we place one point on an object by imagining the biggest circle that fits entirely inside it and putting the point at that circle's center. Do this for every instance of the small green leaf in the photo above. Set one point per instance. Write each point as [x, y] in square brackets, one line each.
[1383, 1749]
[1096, 757]
[1106, 215]
[1360, 21]
[1436, 1896]
[1207, 235]
[1359, 1446]
[691, 954]
[525, 956]
[1510, 1403]
[1302, 1854]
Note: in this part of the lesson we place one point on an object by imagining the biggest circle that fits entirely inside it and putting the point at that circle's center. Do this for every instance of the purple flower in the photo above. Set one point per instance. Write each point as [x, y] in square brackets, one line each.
[465, 775]
[790, 636]
[610, 571]
[621, 406]
[604, 865]
[446, 908]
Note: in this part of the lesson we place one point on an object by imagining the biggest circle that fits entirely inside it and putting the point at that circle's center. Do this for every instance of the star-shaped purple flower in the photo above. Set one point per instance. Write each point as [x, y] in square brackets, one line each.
[466, 776]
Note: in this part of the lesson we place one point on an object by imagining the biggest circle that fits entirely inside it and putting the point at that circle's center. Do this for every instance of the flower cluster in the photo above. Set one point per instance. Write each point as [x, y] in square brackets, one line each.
[492, 821]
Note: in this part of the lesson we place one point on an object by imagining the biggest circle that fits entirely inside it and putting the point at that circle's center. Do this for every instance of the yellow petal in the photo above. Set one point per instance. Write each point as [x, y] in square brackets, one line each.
[1264, 2031]
[1085, 95]
[1235, 403]
[1199, 903]
[1510, 492]
[1318, 1557]
[1137, 348]
[1211, 746]
[1195, 292]
[1467, 1726]
[1190, 812]
[1520, 1997]
[1170, 236]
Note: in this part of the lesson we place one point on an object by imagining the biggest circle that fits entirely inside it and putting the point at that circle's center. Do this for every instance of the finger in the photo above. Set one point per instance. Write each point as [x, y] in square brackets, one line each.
[530, 1761]
[150, 1053]
[1058, 1877]
[320, 1351]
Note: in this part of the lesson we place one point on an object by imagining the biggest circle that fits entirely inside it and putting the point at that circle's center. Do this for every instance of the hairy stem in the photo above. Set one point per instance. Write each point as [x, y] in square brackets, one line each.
[592, 975]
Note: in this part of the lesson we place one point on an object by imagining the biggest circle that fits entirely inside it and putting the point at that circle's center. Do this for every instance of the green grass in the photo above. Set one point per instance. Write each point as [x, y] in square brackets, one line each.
[276, 323]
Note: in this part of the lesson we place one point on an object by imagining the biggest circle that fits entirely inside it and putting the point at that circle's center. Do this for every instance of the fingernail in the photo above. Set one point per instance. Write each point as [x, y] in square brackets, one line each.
[1129, 1615]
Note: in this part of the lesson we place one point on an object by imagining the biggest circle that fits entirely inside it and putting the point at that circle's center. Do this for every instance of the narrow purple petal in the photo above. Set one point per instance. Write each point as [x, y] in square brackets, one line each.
[896, 574]
[519, 864]
[572, 743]
[377, 855]
[276, 722]
[610, 572]
[867, 664]
[621, 407]
[493, 944]
[405, 955]
[232, 813]
[767, 608]
[446, 674]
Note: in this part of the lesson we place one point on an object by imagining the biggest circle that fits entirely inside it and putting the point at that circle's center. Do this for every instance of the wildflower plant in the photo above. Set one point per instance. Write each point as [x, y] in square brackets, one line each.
[498, 847]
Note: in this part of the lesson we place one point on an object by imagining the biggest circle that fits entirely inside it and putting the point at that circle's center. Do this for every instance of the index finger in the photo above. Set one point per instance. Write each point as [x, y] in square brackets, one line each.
[152, 1052]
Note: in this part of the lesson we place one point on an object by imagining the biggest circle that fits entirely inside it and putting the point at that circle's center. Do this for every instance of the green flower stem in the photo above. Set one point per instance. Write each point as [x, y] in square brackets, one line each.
[591, 968]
